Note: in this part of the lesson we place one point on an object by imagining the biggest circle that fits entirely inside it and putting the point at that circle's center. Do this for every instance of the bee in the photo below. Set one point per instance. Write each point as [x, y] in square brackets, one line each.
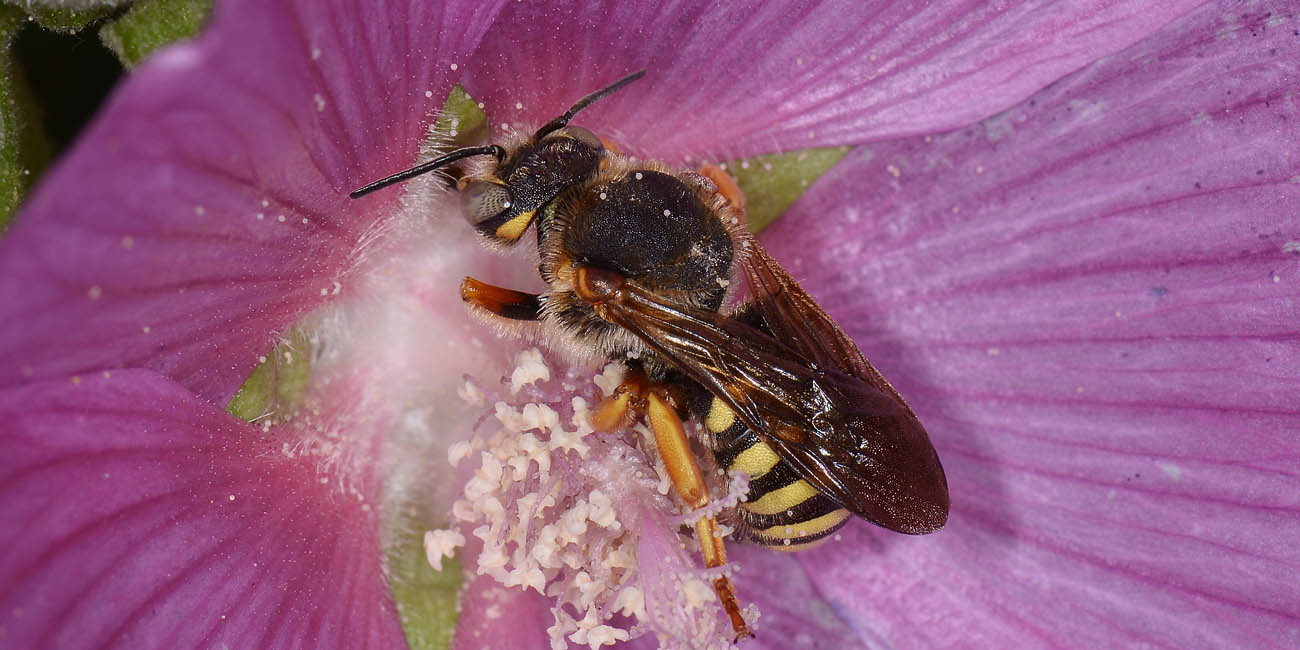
[643, 263]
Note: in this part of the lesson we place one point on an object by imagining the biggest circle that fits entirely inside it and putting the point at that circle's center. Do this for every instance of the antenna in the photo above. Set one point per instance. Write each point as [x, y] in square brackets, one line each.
[422, 168]
[496, 150]
[561, 121]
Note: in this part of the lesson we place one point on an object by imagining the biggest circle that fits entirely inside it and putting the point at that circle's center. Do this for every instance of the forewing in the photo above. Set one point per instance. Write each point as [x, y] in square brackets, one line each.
[854, 442]
[791, 315]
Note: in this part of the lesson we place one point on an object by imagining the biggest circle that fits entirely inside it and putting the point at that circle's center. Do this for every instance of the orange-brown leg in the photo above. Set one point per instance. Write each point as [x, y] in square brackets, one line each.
[688, 480]
[500, 302]
[670, 435]
[618, 410]
[610, 146]
[727, 185]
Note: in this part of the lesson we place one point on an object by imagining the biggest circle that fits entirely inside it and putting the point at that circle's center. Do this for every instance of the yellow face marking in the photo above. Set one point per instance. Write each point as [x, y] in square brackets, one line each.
[720, 417]
[608, 147]
[805, 528]
[783, 499]
[755, 461]
[513, 229]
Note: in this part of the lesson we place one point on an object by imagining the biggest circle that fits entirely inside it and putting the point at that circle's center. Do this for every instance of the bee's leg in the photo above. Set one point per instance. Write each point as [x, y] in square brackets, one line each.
[727, 186]
[497, 303]
[688, 480]
[636, 395]
[610, 147]
[619, 409]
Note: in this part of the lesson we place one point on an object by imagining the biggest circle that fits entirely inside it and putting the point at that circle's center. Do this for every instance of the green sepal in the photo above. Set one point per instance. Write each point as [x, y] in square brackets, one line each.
[151, 24]
[773, 182]
[277, 385]
[461, 119]
[426, 599]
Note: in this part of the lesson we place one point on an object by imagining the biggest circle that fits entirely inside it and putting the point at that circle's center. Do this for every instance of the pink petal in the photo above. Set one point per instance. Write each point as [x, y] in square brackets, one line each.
[145, 247]
[1090, 300]
[732, 79]
[794, 613]
[134, 515]
[493, 616]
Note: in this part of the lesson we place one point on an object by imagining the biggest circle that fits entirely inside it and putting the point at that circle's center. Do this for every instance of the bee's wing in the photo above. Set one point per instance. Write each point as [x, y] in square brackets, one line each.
[854, 441]
[791, 315]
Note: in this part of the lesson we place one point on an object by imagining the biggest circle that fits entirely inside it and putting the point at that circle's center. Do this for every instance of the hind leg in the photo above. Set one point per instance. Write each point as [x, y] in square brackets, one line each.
[634, 396]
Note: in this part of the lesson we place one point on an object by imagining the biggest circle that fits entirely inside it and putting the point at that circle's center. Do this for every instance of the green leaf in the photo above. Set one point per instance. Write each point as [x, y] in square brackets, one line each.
[13, 181]
[426, 599]
[151, 24]
[68, 19]
[24, 151]
[277, 385]
[773, 182]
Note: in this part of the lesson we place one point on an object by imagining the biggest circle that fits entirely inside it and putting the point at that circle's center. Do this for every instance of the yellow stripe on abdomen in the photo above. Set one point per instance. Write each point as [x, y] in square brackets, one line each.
[797, 536]
[782, 499]
[720, 417]
[785, 511]
[757, 460]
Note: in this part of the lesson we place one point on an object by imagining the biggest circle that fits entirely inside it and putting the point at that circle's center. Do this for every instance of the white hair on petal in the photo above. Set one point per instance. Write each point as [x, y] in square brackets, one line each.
[391, 344]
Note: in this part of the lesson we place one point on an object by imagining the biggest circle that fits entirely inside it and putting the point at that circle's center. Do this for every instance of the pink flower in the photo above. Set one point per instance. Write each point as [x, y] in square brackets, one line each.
[1069, 236]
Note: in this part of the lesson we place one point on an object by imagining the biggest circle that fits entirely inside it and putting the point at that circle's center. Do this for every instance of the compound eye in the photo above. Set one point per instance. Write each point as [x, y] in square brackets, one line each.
[483, 200]
[582, 135]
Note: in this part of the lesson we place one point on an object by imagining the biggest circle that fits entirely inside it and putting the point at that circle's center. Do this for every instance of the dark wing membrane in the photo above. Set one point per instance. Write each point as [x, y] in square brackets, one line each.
[854, 442]
[790, 314]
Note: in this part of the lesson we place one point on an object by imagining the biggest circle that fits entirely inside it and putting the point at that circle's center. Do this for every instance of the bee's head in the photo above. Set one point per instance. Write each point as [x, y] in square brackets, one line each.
[504, 199]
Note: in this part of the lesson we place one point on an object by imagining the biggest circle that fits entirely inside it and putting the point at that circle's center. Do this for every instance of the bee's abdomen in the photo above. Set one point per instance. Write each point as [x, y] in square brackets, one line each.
[782, 510]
